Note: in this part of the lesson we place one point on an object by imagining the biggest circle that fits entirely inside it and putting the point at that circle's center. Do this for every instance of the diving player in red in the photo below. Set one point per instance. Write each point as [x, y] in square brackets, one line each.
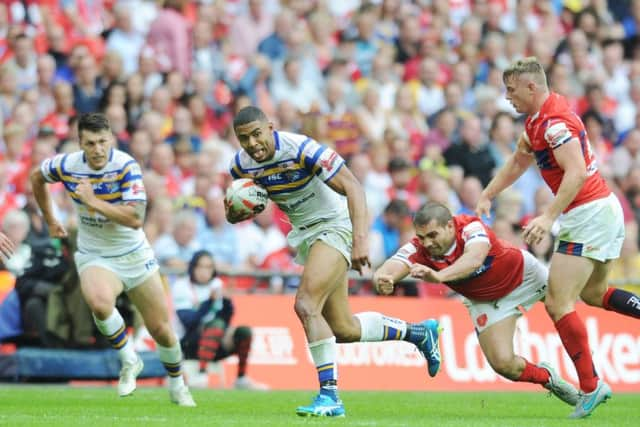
[590, 216]
[494, 277]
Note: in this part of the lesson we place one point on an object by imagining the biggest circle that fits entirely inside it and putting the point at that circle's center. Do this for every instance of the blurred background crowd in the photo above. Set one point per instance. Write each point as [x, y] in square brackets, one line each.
[409, 92]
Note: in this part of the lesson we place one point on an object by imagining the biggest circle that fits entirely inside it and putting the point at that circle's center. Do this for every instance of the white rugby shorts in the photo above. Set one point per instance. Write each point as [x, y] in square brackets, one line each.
[530, 291]
[593, 230]
[335, 233]
[132, 268]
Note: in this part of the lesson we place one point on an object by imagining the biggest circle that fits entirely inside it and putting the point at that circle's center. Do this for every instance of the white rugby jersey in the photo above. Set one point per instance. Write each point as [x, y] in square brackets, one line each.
[119, 181]
[296, 178]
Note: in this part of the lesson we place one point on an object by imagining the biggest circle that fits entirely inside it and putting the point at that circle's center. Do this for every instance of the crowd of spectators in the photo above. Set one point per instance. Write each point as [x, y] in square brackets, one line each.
[409, 92]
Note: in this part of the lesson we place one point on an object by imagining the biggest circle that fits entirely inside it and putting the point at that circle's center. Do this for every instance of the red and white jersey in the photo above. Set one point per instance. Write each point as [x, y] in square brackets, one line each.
[501, 272]
[554, 125]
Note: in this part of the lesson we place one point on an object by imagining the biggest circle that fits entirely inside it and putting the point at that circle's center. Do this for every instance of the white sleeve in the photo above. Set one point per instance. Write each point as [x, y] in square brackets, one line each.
[405, 253]
[475, 232]
[557, 134]
[52, 168]
[319, 159]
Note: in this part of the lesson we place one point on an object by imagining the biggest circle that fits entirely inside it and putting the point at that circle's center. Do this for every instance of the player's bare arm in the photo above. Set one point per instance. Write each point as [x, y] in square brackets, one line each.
[344, 182]
[389, 273]
[471, 260]
[513, 169]
[130, 214]
[571, 160]
[43, 198]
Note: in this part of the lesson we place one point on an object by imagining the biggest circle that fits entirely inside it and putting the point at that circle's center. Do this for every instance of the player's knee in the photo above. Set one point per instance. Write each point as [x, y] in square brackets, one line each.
[554, 308]
[505, 365]
[305, 307]
[100, 306]
[161, 333]
[346, 334]
[345, 331]
[592, 296]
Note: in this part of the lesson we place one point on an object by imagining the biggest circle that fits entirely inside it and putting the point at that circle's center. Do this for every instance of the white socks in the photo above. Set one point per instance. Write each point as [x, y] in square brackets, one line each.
[377, 327]
[115, 330]
[171, 358]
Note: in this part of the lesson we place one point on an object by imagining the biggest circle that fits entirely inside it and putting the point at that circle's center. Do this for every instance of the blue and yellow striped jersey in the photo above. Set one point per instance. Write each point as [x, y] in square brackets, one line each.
[118, 182]
[296, 178]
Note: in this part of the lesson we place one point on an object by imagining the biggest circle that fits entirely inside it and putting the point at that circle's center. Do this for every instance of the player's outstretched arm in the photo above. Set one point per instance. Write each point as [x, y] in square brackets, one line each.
[471, 260]
[513, 169]
[344, 182]
[389, 273]
[43, 198]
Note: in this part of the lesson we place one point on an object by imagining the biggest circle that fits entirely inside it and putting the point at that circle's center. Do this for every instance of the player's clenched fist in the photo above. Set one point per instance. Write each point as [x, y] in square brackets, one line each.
[84, 190]
[384, 284]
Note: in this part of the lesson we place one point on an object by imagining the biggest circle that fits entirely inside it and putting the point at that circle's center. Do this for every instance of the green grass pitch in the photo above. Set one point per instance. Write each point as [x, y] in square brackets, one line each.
[36, 405]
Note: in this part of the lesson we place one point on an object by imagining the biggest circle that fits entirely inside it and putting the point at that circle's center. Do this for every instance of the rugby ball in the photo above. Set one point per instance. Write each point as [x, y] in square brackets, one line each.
[246, 196]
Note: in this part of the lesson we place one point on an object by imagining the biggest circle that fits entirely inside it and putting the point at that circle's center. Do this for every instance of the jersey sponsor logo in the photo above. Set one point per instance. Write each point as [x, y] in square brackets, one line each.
[137, 188]
[296, 203]
[473, 230]
[274, 177]
[557, 134]
[151, 264]
[482, 320]
[329, 163]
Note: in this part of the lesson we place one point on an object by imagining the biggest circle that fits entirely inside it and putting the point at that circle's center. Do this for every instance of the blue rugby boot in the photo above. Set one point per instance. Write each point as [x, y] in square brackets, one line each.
[587, 402]
[430, 346]
[322, 406]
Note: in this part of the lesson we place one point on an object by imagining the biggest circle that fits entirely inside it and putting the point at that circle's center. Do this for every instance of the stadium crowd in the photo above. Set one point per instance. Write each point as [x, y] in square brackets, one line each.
[409, 92]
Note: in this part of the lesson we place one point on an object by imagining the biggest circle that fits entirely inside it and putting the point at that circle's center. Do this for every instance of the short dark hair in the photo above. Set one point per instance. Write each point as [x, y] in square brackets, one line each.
[432, 211]
[398, 207]
[247, 115]
[93, 122]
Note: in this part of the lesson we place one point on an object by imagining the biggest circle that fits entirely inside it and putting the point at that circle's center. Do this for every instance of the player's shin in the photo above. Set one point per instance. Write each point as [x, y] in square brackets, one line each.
[622, 302]
[573, 335]
[378, 327]
[114, 328]
[324, 354]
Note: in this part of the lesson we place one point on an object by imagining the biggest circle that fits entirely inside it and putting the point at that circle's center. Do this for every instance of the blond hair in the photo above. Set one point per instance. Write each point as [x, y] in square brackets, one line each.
[529, 65]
